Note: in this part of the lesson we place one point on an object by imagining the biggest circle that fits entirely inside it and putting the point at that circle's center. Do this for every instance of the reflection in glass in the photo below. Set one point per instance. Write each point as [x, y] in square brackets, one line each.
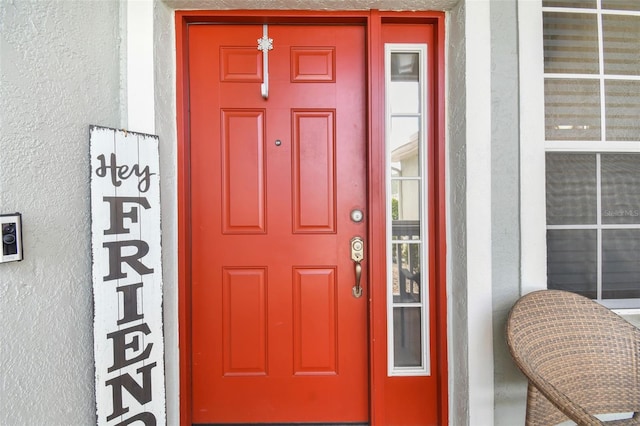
[571, 43]
[405, 66]
[406, 262]
[571, 261]
[620, 4]
[620, 263]
[406, 201]
[622, 101]
[571, 189]
[405, 151]
[407, 337]
[404, 89]
[406, 272]
[621, 40]
[404, 97]
[572, 109]
[620, 188]
[405, 230]
[586, 4]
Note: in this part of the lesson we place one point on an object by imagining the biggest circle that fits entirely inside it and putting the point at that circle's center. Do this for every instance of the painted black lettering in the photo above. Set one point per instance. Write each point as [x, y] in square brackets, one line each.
[120, 346]
[101, 171]
[130, 303]
[147, 418]
[112, 168]
[117, 213]
[124, 172]
[145, 178]
[142, 394]
[116, 258]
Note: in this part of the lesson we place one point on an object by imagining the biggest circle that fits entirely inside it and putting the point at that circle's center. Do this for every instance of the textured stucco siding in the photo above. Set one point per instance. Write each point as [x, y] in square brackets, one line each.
[510, 385]
[314, 4]
[62, 69]
[59, 73]
[456, 187]
[165, 127]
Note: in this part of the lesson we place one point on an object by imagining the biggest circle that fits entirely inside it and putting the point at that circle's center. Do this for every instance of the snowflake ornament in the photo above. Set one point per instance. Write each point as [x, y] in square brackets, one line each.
[265, 43]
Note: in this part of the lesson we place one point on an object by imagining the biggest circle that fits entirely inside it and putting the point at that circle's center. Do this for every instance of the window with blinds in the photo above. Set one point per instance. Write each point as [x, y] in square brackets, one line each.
[592, 140]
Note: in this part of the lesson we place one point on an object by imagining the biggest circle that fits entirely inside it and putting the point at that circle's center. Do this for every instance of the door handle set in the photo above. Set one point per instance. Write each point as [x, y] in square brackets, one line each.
[357, 255]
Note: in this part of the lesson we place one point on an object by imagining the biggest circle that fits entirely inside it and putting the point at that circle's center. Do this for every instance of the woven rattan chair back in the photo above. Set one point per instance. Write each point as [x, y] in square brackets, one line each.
[581, 359]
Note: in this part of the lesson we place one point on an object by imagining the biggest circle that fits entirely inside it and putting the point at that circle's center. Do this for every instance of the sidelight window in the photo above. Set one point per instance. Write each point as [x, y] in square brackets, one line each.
[407, 237]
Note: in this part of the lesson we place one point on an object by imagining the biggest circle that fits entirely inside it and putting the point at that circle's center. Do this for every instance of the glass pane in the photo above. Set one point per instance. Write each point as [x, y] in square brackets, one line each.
[571, 189]
[620, 263]
[407, 337]
[404, 137]
[620, 183]
[622, 110]
[406, 272]
[405, 66]
[406, 230]
[584, 4]
[572, 109]
[621, 38]
[404, 97]
[570, 43]
[620, 4]
[572, 261]
[406, 199]
[404, 91]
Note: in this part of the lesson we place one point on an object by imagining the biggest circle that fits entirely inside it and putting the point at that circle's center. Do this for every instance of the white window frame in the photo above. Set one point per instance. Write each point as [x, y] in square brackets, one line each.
[533, 146]
[425, 368]
[533, 250]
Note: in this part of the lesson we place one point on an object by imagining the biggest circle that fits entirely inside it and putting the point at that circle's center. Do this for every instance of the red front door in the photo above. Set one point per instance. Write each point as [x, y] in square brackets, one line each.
[277, 334]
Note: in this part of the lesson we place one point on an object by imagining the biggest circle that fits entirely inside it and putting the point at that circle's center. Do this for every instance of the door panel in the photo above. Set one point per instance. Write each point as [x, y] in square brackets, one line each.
[314, 167]
[243, 177]
[277, 335]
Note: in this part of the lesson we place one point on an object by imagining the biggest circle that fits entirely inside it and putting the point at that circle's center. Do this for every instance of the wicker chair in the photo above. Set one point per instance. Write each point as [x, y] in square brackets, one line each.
[581, 359]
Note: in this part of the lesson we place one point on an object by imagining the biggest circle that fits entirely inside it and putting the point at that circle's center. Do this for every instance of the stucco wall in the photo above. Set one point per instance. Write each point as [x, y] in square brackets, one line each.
[165, 125]
[59, 72]
[456, 187]
[510, 385]
[313, 4]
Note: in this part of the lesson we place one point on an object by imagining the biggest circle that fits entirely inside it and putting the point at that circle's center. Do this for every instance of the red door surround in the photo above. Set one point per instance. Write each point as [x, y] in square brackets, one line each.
[238, 325]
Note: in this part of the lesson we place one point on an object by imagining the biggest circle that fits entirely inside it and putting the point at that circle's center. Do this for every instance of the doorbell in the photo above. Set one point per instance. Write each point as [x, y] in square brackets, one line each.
[11, 229]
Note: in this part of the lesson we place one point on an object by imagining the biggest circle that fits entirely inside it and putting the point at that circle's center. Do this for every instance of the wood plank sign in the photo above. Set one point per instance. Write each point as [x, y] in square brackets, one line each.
[127, 278]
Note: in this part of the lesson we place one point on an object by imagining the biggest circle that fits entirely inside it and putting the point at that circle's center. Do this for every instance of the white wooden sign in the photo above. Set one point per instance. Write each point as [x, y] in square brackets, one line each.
[127, 278]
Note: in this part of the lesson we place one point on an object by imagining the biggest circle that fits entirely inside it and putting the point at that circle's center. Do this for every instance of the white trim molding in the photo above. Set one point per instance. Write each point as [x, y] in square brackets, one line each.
[140, 63]
[478, 212]
[533, 248]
